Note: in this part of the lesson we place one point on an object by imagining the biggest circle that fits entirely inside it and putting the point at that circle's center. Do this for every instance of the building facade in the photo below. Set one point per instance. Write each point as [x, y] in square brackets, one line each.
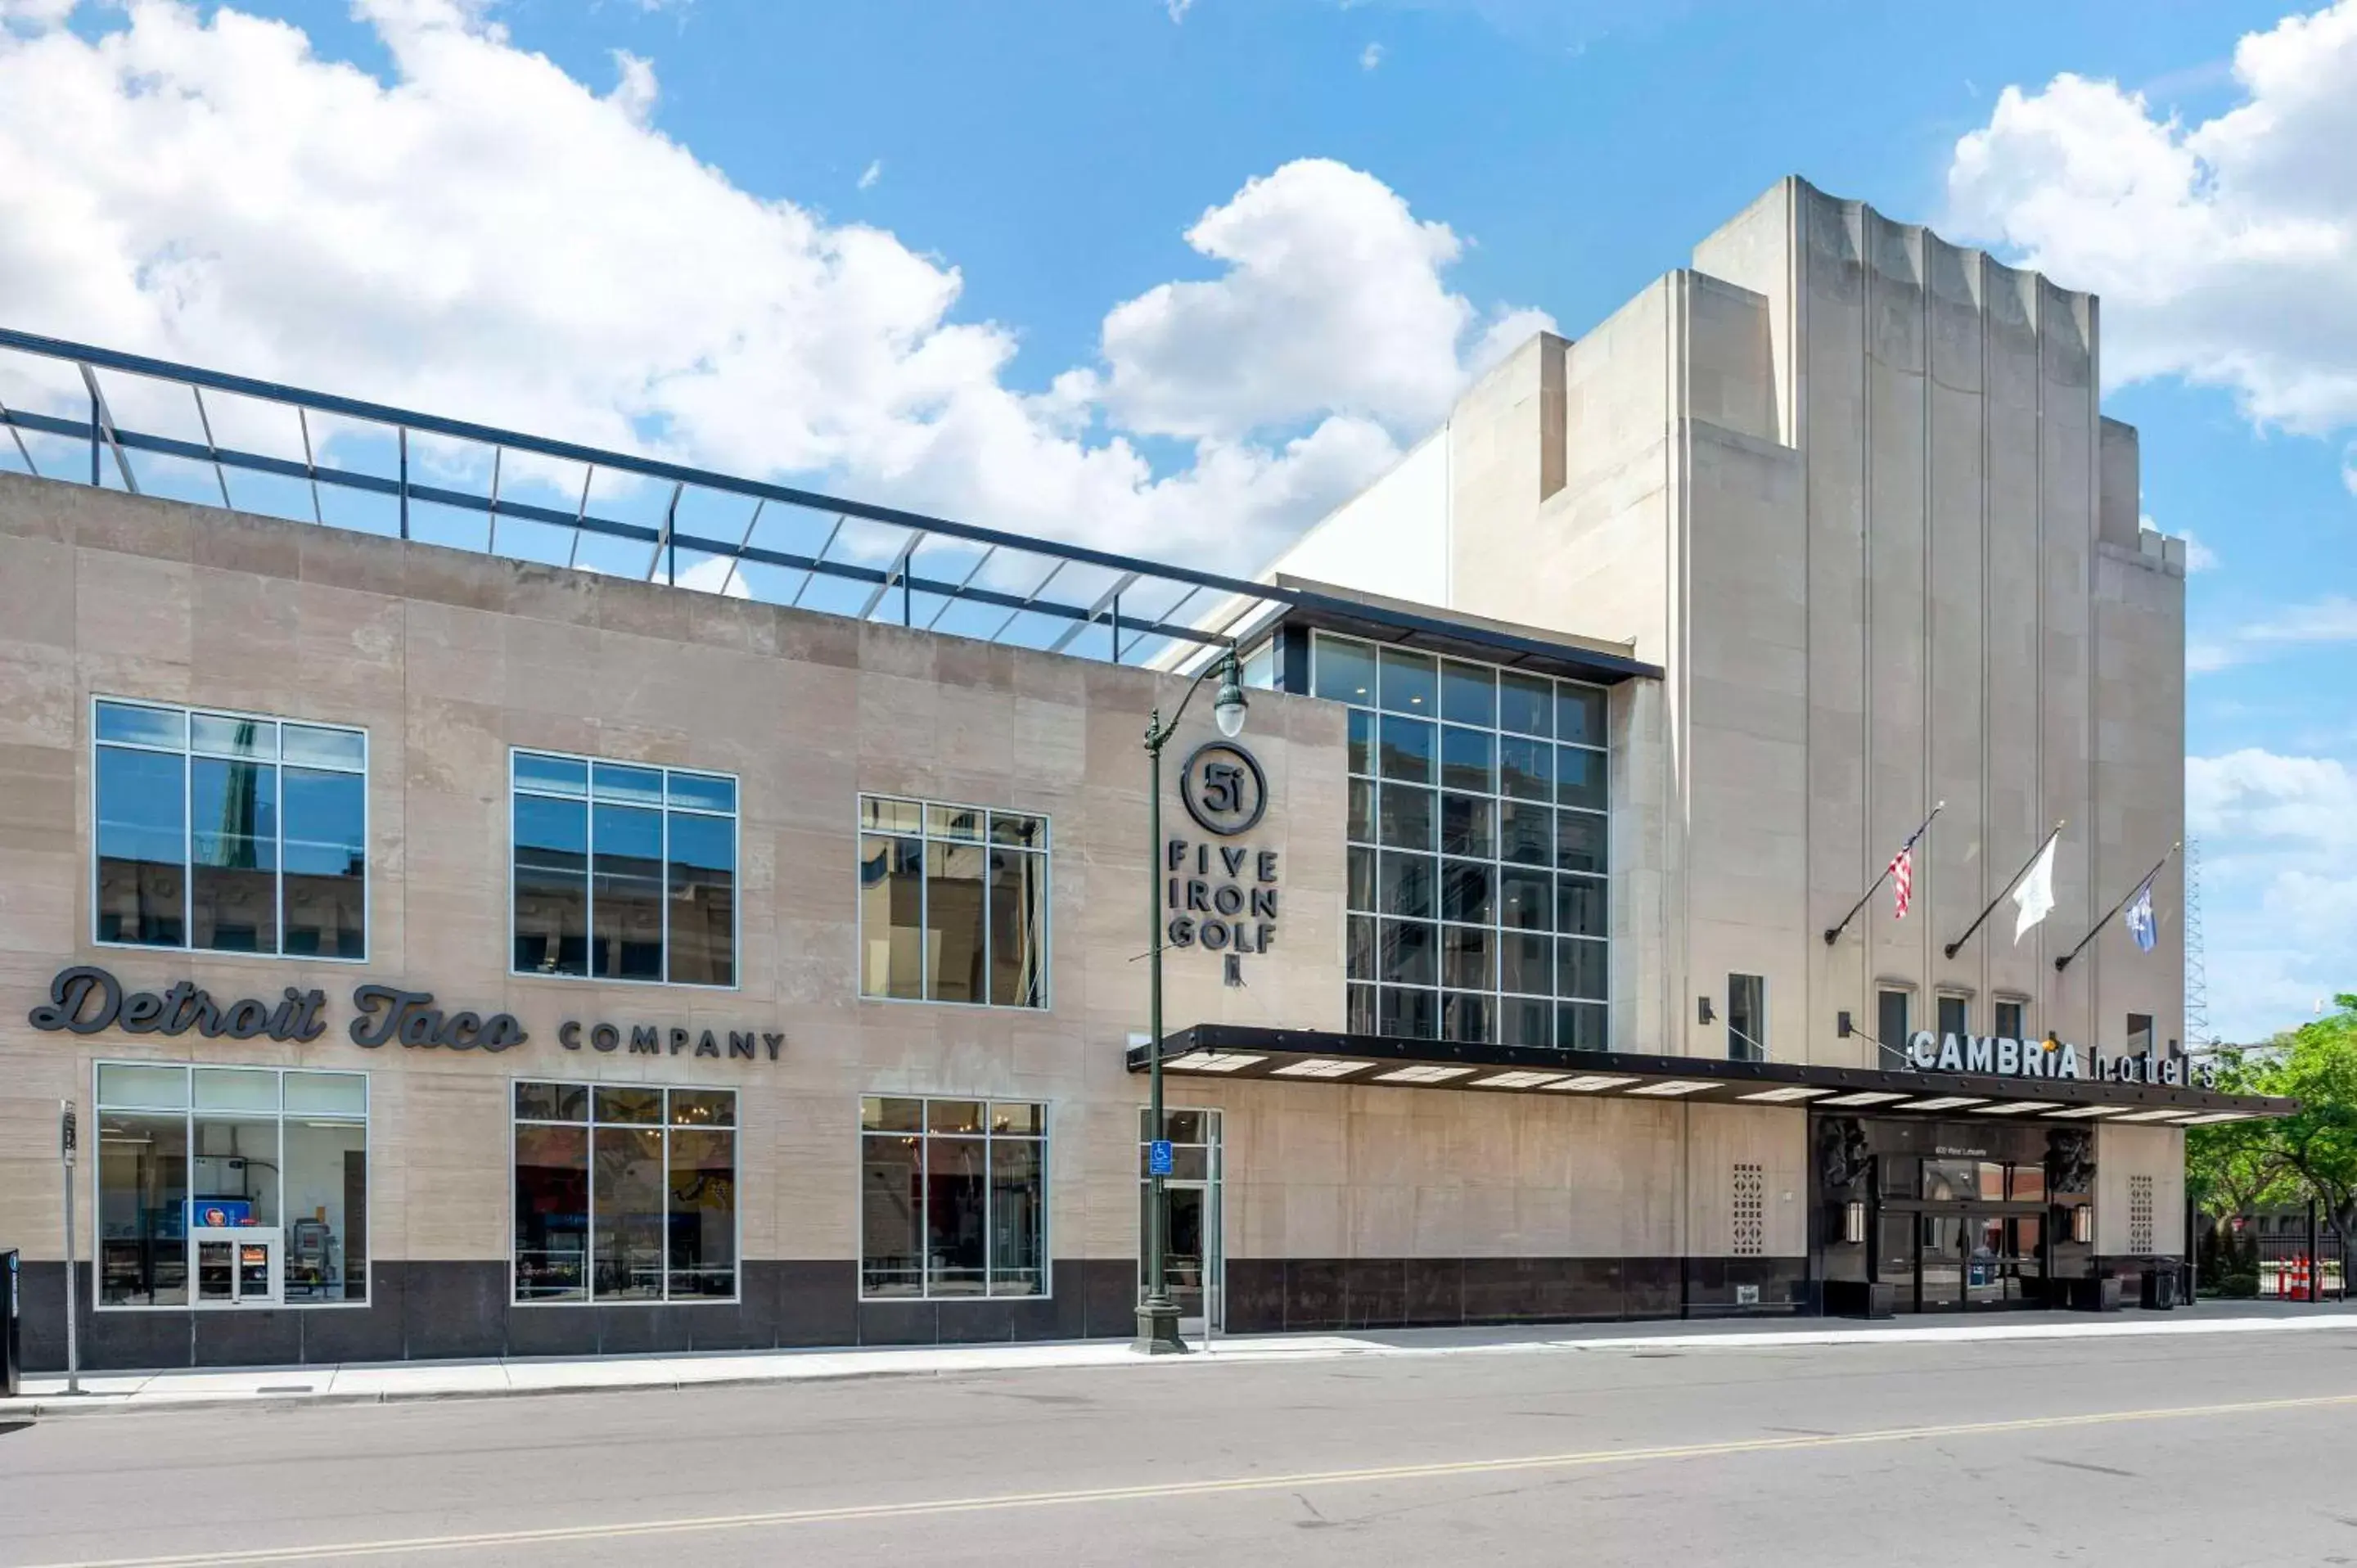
[449, 953]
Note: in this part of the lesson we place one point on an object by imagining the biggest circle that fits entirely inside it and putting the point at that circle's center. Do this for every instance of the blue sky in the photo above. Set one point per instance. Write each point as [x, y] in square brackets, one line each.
[602, 218]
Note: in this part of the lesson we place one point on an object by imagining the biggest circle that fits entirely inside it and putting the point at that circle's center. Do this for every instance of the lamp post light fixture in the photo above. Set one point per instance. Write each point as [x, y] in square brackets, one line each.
[1158, 1313]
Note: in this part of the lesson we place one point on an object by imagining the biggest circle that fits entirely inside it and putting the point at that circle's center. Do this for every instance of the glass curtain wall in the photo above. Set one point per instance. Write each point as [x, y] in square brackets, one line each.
[624, 872]
[953, 903]
[625, 1193]
[1477, 820]
[181, 1146]
[952, 1197]
[230, 832]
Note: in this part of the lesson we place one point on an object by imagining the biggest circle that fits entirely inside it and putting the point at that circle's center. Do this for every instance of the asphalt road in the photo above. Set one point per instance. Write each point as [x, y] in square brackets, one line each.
[2209, 1450]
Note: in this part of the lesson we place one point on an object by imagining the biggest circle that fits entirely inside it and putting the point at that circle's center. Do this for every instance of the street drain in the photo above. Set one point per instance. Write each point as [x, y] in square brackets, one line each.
[285, 1389]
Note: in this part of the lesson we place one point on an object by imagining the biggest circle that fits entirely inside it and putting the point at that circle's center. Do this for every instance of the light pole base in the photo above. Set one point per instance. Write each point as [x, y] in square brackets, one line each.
[1157, 1330]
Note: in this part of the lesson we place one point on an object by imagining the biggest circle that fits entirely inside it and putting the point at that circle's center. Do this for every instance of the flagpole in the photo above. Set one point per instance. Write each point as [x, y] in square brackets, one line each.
[2097, 929]
[1839, 927]
[1956, 946]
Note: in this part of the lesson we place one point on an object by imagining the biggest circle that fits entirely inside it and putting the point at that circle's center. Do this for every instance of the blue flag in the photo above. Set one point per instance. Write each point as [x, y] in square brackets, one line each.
[2139, 917]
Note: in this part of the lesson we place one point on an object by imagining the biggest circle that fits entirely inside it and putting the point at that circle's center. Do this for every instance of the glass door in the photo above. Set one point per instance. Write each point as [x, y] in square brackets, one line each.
[1985, 1271]
[1939, 1273]
[1193, 1258]
[238, 1265]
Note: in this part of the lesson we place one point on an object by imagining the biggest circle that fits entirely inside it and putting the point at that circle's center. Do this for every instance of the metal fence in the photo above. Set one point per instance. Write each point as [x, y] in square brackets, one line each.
[2290, 1269]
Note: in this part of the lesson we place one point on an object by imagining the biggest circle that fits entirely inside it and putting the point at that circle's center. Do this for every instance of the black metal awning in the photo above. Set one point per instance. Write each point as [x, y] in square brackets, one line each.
[1311, 1056]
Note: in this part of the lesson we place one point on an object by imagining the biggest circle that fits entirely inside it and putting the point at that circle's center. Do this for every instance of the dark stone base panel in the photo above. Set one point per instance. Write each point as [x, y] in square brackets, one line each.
[439, 1311]
[1270, 1295]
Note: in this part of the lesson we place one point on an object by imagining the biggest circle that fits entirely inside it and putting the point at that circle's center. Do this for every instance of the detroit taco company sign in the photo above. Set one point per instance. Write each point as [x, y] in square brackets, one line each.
[87, 999]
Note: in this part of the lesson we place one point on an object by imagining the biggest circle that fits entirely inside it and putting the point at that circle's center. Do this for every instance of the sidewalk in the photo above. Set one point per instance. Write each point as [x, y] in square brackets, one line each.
[384, 1382]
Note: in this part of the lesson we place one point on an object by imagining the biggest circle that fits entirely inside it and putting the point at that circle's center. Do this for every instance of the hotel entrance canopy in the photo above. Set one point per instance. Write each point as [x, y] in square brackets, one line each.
[1308, 1056]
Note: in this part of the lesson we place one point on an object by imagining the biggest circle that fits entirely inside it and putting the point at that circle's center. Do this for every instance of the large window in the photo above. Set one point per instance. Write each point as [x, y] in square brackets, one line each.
[1747, 1018]
[1955, 1015]
[624, 872]
[953, 903]
[1894, 1021]
[2009, 1025]
[953, 1197]
[236, 1146]
[1477, 822]
[230, 833]
[625, 1192]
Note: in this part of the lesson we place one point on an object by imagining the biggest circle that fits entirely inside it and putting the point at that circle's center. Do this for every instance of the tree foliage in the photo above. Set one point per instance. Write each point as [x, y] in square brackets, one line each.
[2233, 1167]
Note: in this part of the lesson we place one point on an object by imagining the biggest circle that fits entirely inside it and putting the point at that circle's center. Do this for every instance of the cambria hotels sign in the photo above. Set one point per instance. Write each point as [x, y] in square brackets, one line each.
[1926, 1052]
[87, 999]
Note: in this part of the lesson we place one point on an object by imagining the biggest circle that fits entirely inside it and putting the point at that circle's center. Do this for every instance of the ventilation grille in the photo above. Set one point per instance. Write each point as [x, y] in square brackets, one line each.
[1748, 1209]
[2140, 1216]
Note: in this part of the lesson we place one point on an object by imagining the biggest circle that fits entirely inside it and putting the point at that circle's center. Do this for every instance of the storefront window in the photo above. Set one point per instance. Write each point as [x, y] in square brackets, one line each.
[230, 832]
[623, 872]
[953, 903]
[952, 1197]
[230, 1147]
[1477, 822]
[625, 1193]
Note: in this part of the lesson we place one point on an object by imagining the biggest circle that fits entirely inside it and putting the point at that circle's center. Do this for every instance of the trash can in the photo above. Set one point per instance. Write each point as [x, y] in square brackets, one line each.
[2160, 1289]
[11, 1353]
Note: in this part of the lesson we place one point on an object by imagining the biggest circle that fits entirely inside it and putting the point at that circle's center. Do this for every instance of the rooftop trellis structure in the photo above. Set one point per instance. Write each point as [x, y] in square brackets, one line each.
[89, 416]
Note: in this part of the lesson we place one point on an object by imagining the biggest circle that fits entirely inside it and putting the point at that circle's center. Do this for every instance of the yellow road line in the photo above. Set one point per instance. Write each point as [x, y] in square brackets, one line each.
[1156, 1491]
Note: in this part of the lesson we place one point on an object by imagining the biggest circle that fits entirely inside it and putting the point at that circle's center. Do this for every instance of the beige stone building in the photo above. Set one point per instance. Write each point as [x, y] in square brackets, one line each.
[449, 949]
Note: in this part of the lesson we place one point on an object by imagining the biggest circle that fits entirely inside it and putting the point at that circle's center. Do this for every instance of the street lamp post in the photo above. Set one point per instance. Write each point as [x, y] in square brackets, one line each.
[1158, 1314]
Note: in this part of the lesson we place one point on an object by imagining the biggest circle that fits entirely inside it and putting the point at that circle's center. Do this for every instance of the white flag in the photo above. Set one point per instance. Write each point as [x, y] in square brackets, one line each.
[2034, 895]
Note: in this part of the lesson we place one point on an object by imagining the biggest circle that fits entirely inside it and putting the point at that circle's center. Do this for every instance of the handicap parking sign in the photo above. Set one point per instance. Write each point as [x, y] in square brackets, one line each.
[1158, 1157]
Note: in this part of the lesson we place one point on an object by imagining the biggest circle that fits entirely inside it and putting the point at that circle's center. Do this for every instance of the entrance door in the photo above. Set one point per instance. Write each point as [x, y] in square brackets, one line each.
[1941, 1272]
[1194, 1261]
[238, 1266]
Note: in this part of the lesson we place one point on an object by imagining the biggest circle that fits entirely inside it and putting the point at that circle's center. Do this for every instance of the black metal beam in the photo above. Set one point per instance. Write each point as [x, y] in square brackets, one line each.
[1728, 1078]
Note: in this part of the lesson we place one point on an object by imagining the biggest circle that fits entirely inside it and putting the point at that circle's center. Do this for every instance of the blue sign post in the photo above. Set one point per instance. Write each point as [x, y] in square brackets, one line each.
[1158, 1157]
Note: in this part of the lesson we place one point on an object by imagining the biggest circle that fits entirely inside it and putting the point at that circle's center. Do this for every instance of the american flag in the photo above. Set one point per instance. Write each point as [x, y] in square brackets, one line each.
[1903, 871]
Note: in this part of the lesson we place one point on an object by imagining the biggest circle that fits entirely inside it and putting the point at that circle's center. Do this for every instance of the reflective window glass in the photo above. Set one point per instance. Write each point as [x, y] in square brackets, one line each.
[1410, 684]
[955, 907]
[1520, 821]
[1468, 694]
[1469, 758]
[1579, 715]
[640, 1206]
[952, 1199]
[637, 884]
[1525, 703]
[1343, 671]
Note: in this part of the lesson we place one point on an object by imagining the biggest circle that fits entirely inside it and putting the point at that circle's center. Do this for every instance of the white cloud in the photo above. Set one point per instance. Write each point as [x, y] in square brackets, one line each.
[2225, 250]
[2329, 619]
[871, 173]
[1371, 57]
[486, 237]
[2279, 912]
[1332, 300]
[635, 90]
[1178, 9]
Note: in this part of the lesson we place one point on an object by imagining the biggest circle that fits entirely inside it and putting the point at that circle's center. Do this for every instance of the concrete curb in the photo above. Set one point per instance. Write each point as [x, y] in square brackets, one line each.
[1238, 1354]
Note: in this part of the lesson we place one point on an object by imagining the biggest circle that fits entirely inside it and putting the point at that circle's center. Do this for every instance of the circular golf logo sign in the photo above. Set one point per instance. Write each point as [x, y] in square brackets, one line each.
[1224, 788]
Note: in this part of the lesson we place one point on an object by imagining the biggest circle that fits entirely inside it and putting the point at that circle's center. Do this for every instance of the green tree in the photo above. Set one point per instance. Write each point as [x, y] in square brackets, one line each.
[2318, 1067]
[2237, 1167]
